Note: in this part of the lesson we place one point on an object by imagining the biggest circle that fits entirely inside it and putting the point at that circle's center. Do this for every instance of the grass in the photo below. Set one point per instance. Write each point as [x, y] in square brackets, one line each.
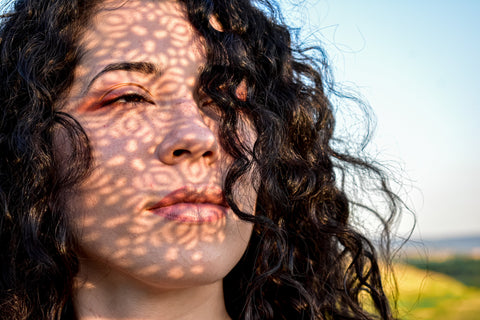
[425, 295]
[464, 269]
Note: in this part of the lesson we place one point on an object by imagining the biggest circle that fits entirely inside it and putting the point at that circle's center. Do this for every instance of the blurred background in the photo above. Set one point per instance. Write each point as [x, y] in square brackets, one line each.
[417, 64]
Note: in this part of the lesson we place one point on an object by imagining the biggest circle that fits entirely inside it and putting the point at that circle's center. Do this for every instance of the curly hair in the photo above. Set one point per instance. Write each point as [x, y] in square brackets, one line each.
[305, 259]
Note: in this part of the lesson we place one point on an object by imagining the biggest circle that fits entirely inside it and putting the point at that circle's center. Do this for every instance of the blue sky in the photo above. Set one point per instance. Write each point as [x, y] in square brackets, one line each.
[417, 63]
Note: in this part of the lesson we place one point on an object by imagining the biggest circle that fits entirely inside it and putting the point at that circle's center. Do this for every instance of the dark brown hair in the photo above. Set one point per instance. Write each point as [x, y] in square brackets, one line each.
[305, 259]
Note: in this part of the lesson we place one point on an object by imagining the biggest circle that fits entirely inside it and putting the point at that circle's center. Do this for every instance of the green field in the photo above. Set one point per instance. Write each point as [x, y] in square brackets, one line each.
[428, 295]
[462, 268]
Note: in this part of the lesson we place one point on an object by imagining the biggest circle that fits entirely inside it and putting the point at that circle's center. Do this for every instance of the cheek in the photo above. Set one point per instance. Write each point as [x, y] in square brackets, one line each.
[245, 190]
[113, 230]
[245, 193]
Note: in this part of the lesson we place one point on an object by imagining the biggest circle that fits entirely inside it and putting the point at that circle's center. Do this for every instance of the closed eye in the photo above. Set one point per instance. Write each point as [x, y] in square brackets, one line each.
[132, 97]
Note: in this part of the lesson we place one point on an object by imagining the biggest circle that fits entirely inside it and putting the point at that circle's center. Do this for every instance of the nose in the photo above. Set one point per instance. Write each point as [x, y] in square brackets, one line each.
[189, 139]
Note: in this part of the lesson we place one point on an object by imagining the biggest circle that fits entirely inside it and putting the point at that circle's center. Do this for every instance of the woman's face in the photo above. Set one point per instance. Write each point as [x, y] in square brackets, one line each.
[152, 209]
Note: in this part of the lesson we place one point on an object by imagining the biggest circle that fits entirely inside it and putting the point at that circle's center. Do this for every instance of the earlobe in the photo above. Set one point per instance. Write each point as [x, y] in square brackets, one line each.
[215, 24]
[242, 91]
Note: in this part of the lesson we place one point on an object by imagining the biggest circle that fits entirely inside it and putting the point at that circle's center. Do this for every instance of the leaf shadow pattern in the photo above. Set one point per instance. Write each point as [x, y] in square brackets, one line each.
[135, 95]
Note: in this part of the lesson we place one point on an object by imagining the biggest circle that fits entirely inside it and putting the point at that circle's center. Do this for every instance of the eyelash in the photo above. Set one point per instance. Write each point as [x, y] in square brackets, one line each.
[128, 98]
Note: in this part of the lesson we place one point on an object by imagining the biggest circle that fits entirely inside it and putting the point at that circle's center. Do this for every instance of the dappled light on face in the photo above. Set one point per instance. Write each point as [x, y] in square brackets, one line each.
[154, 149]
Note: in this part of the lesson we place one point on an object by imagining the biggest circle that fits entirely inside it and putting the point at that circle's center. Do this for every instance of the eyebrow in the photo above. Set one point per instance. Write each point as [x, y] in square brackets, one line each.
[142, 67]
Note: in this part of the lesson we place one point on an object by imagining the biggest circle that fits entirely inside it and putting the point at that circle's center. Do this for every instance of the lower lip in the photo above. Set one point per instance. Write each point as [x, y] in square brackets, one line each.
[195, 213]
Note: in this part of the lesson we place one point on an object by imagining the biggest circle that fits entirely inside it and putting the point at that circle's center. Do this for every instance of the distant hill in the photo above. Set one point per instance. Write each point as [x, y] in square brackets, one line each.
[468, 245]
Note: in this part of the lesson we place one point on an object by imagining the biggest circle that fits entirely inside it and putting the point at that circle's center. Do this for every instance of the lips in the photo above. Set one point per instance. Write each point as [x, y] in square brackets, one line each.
[191, 204]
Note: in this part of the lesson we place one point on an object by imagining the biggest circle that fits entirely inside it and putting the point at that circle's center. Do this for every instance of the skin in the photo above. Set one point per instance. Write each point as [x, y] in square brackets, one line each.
[151, 134]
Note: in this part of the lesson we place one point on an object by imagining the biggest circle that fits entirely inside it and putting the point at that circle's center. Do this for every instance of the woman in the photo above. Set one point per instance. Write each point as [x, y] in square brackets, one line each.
[173, 160]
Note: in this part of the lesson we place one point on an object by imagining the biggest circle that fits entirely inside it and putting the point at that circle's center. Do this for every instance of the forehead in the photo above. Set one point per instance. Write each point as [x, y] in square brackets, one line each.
[134, 30]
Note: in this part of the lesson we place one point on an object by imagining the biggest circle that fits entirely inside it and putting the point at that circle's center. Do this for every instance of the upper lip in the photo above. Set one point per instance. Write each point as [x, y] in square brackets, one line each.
[192, 194]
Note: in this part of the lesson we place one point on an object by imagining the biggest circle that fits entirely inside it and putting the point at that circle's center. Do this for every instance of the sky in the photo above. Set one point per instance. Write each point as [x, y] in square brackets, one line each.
[417, 64]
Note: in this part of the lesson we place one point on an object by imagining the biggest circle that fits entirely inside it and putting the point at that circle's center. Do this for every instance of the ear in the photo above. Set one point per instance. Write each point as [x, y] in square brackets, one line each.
[215, 24]
[241, 91]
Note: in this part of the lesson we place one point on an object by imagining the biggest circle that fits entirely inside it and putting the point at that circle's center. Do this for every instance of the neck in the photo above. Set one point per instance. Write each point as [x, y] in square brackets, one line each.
[115, 296]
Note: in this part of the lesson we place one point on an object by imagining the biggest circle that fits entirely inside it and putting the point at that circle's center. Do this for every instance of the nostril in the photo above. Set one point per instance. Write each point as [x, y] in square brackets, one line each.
[179, 152]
